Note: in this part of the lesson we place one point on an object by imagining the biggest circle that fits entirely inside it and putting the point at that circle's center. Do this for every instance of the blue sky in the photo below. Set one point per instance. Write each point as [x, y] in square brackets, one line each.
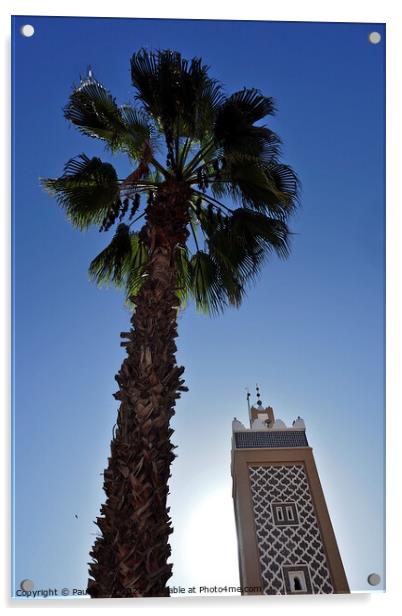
[310, 332]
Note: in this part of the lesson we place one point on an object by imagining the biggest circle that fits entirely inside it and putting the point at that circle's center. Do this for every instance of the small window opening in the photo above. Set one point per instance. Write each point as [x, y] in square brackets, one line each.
[297, 584]
[297, 581]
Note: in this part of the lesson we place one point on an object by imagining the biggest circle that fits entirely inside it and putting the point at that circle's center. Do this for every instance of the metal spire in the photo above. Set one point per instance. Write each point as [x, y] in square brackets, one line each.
[259, 403]
[88, 80]
[248, 404]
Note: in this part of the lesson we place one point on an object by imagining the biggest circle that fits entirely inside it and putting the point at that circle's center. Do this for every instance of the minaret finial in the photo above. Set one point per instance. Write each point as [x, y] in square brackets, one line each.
[259, 403]
[248, 403]
[88, 80]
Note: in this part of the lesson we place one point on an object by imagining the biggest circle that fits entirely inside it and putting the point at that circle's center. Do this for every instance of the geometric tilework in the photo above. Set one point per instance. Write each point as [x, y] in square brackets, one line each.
[287, 545]
[270, 438]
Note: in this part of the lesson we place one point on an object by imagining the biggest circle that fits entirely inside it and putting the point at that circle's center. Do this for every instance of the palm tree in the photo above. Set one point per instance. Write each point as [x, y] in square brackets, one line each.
[213, 201]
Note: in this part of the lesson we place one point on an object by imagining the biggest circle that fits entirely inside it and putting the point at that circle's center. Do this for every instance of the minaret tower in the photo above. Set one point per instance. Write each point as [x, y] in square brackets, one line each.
[286, 543]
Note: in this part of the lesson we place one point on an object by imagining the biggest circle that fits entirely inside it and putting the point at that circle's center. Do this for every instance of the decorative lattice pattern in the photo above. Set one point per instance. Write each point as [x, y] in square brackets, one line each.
[273, 438]
[287, 545]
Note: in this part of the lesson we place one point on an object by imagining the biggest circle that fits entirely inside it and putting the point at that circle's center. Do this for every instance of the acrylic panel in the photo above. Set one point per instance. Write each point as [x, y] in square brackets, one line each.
[223, 181]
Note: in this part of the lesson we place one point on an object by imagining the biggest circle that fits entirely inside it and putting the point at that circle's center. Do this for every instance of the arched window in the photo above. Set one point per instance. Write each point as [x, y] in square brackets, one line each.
[296, 583]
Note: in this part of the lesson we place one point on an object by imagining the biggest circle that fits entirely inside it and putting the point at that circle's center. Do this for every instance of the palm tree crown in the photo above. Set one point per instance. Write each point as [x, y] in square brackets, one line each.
[182, 134]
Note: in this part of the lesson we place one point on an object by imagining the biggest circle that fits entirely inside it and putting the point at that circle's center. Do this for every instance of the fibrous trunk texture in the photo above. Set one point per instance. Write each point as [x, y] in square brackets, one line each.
[130, 557]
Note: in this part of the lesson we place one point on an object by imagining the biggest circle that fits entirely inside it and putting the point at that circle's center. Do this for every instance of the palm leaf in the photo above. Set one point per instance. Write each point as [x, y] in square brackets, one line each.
[234, 128]
[114, 262]
[179, 94]
[138, 136]
[136, 273]
[271, 188]
[204, 284]
[96, 114]
[87, 190]
[256, 233]
[200, 96]
[183, 275]
[239, 245]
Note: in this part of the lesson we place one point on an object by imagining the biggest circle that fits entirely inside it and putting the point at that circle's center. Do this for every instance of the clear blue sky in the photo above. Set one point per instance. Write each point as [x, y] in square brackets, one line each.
[311, 331]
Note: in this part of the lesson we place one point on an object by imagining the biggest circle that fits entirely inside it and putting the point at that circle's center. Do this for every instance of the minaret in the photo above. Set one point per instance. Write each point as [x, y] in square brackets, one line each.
[286, 543]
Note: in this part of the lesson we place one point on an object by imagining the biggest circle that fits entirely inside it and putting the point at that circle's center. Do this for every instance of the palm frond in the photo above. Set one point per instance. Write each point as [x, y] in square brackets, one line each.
[144, 77]
[96, 114]
[94, 111]
[183, 275]
[255, 233]
[239, 245]
[205, 285]
[200, 96]
[114, 262]
[234, 128]
[138, 135]
[136, 274]
[87, 190]
[271, 188]
[179, 93]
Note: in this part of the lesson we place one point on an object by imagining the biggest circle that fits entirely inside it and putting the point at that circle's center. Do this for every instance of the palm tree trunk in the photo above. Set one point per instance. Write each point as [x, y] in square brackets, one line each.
[130, 557]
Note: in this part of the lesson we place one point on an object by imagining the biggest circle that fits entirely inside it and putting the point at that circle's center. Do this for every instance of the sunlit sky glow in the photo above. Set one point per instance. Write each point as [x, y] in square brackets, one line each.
[310, 332]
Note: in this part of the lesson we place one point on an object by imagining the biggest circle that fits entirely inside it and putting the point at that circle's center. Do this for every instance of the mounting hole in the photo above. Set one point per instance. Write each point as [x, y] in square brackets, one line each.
[374, 579]
[27, 585]
[27, 30]
[374, 37]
